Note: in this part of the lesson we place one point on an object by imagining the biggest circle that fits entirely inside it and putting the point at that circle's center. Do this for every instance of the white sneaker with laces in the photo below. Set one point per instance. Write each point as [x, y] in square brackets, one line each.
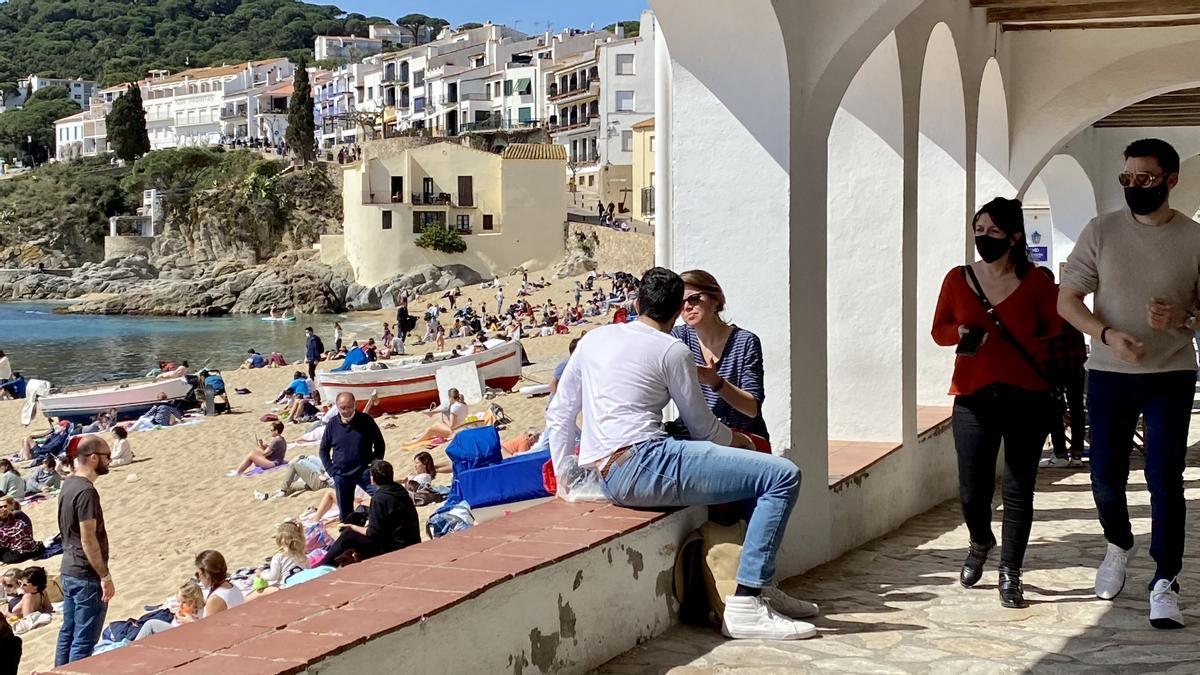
[1110, 576]
[753, 618]
[1164, 605]
[1054, 462]
[789, 606]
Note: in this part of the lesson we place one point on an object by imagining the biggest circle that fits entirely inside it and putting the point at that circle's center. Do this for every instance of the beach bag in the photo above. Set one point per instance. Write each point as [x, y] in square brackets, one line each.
[706, 572]
[316, 537]
[128, 629]
[457, 517]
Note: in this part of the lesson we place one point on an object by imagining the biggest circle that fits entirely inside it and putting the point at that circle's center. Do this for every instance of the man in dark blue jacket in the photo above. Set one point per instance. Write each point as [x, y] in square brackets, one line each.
[351, 442]
[313, 349]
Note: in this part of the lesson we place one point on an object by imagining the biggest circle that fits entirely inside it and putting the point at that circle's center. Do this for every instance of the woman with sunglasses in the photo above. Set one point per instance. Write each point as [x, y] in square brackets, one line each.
[999, 388]
[728, 357]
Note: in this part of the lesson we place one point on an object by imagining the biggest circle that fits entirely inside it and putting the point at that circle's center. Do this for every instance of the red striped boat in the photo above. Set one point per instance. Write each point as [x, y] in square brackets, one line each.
[411, 385]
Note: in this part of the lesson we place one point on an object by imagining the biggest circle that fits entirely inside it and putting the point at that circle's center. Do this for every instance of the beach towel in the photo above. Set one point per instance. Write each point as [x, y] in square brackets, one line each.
[307, 575]
[258, 470]
[354, 357]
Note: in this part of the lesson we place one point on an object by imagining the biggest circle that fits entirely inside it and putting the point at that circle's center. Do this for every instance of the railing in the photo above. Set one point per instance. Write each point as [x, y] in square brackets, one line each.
[473, 96]
[495, 124]
[586, 163]
[648, 200]
[586, 88]
[559, 128]
[431, 198]
[233, 114]
[400, 78]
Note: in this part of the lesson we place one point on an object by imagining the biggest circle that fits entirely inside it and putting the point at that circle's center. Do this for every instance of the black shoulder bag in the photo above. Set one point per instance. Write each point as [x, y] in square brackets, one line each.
[1056, 392]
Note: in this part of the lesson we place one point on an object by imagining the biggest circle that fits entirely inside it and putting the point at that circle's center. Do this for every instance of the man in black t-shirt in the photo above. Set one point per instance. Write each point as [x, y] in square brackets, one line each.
[86, 584]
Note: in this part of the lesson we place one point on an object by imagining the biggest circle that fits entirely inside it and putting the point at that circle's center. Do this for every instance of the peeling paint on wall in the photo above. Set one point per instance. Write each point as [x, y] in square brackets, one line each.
[543, 649]
[517, 663]
[636, 561]
[566, 619]
[578, 580]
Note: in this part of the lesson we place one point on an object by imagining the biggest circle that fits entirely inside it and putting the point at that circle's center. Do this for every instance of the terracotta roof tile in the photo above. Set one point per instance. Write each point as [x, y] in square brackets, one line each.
[535, 151]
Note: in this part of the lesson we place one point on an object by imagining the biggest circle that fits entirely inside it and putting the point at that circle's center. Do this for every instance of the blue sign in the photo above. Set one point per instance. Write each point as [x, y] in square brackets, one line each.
[1038, 254]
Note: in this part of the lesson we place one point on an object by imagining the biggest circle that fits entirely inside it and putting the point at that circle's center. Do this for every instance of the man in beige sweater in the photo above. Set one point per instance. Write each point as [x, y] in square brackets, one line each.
[1142, 264]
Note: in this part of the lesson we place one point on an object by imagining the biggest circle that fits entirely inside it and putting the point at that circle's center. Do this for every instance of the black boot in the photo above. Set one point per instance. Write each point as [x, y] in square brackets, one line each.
[972, 567]
[1011, 593]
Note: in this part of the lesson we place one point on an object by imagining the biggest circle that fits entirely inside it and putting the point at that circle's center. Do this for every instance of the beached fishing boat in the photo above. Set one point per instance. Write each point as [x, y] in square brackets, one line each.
[409, 384]
[131, 398]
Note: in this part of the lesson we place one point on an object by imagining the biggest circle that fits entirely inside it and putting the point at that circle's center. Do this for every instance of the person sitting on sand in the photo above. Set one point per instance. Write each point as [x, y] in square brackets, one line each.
[189, 600]
[51, 443]
[301, 410]
[371, 351]
[304, 473]
[266, 455]
[11, 483]
[424, 471]
[522, 443]
[253, 360]
[122, 454]
[17, 543]
[32, 582]
[102, 423]
[290, 557]
[276, 360]
[451, 415]
[299, 385]
[218, 593]
[163, 414]
[46, 478]
[392, 522]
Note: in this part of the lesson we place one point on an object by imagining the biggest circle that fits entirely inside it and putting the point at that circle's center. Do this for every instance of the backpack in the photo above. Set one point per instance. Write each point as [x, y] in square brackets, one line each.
[706, 572]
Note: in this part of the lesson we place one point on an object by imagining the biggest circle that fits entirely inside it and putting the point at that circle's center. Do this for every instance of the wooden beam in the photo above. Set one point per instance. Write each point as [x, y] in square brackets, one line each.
[1100, 25]
[1097, 9]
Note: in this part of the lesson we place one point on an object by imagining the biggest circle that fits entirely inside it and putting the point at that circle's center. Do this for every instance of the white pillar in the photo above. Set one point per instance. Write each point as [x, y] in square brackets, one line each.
[662, 155]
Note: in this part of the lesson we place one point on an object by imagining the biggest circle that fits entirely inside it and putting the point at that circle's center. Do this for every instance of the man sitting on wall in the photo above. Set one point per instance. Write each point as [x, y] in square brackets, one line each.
[639, 465]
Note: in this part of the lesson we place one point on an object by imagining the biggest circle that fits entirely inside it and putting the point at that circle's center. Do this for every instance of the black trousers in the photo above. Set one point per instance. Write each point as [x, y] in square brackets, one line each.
[1072, 383]
[981, 421]
[312, 370]
[349, 540]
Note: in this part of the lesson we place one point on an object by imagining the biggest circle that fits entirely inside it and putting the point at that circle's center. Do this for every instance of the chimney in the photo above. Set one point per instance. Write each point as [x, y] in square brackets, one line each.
[620, 31]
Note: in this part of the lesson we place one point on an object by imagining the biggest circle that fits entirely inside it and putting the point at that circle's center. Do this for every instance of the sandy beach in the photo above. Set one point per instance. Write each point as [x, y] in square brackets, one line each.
[175, 499]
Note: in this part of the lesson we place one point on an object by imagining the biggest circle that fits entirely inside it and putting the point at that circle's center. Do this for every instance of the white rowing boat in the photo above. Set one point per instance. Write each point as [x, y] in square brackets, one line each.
[130, 397]
[411, 385]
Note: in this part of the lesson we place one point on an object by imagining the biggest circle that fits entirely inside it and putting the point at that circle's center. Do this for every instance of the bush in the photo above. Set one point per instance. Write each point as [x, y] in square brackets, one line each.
[441, 239]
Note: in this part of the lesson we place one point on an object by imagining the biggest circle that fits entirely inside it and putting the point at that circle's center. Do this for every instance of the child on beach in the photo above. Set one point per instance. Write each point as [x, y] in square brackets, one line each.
[291, 557]
[122, 454]
[190, 600]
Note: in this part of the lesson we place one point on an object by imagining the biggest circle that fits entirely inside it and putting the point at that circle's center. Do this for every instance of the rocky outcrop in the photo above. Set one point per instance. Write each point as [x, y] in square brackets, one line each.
[576, 263]
[422, 279]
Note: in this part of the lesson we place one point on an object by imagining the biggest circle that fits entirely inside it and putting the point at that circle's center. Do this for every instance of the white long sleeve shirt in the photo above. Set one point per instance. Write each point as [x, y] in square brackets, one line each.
[620, 377]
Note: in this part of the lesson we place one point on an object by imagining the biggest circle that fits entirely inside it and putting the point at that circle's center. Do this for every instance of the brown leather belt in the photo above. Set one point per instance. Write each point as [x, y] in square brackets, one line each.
[614, 459]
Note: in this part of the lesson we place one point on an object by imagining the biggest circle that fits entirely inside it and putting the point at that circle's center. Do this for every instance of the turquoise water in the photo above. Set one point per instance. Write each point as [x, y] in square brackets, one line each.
[74, 348]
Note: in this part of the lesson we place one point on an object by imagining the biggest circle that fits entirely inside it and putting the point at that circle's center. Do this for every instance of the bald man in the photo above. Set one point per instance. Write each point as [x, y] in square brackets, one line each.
[86, 583]
[350, 443]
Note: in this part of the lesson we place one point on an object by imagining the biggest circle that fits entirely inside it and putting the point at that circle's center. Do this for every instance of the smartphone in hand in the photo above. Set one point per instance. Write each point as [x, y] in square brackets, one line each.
[969, 344]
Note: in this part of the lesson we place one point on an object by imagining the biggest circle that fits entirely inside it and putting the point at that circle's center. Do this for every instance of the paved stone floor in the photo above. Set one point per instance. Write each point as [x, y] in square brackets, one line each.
[895, 605]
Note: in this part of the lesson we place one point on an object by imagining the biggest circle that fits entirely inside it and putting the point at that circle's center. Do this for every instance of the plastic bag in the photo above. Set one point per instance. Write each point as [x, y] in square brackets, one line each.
[579, 483]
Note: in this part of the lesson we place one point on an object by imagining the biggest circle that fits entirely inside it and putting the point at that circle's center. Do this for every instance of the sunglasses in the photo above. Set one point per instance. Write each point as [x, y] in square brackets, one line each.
[1141, 179]
[694, 299]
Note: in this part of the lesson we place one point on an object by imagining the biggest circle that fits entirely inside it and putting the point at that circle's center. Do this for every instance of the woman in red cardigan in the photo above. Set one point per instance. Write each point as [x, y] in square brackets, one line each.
[999, 394]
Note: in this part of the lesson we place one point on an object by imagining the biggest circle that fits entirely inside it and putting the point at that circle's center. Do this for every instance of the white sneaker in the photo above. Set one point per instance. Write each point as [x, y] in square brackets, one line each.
[1054, 462]
[260, 496]
[789, 606]
[1110, 576]
[278, 494]
[752, 618]
[232, 473]
[1164, 605]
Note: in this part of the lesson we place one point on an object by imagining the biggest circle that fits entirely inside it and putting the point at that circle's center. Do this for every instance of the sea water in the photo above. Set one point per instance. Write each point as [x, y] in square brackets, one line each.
[79, 348]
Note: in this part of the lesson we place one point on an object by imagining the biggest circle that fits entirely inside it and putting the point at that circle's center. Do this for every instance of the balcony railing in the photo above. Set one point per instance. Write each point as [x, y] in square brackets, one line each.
[431, 198]
[239, 113]
[586, 88]
[497, 124]
[560, 128]
[398, 78]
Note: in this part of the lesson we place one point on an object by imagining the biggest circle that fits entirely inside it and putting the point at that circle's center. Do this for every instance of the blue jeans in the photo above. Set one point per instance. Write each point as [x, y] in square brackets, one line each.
[669, 472]
[343, 487]
[83, 619]
[1115, 400]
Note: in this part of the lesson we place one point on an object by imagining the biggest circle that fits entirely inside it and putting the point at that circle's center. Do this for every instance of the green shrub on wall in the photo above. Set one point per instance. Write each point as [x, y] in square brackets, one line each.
[441, 239]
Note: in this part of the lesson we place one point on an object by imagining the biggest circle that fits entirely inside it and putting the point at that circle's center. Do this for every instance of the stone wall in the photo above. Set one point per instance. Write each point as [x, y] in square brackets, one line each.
[122, 246]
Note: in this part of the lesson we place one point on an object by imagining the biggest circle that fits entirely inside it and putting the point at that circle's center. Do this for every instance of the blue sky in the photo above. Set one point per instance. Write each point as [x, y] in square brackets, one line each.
[528, 16]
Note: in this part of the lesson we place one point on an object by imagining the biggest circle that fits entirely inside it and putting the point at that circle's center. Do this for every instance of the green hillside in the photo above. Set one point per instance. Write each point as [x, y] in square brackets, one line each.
[119, 40]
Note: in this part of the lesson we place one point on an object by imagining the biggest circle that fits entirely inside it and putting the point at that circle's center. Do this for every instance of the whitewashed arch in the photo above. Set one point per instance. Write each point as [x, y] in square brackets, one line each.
[864, 240]
[941, 202]
[991, 141]
[1072, 202]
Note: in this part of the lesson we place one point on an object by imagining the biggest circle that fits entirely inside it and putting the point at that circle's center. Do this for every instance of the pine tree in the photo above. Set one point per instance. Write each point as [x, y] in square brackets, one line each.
[301, 129]
[126, 125]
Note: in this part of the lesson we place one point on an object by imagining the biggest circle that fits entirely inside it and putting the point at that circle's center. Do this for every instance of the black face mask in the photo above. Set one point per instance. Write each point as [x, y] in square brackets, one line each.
[992, 249]
[1147, 200]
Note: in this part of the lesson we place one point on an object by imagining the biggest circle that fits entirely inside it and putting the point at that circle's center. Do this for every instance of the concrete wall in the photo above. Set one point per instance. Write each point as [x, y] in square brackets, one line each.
[124, 246]
[569, 617]
[643, 169]
[525, 197]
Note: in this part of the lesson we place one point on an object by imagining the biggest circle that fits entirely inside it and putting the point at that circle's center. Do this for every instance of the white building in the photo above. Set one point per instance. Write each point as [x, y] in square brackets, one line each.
[80, 90]
[201, 106]
[85, 134]
[340, 92]
[345, 47]
[595, 99]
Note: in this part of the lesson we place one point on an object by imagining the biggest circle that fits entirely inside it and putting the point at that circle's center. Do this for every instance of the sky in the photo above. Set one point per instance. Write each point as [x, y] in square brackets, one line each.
[528, 16]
